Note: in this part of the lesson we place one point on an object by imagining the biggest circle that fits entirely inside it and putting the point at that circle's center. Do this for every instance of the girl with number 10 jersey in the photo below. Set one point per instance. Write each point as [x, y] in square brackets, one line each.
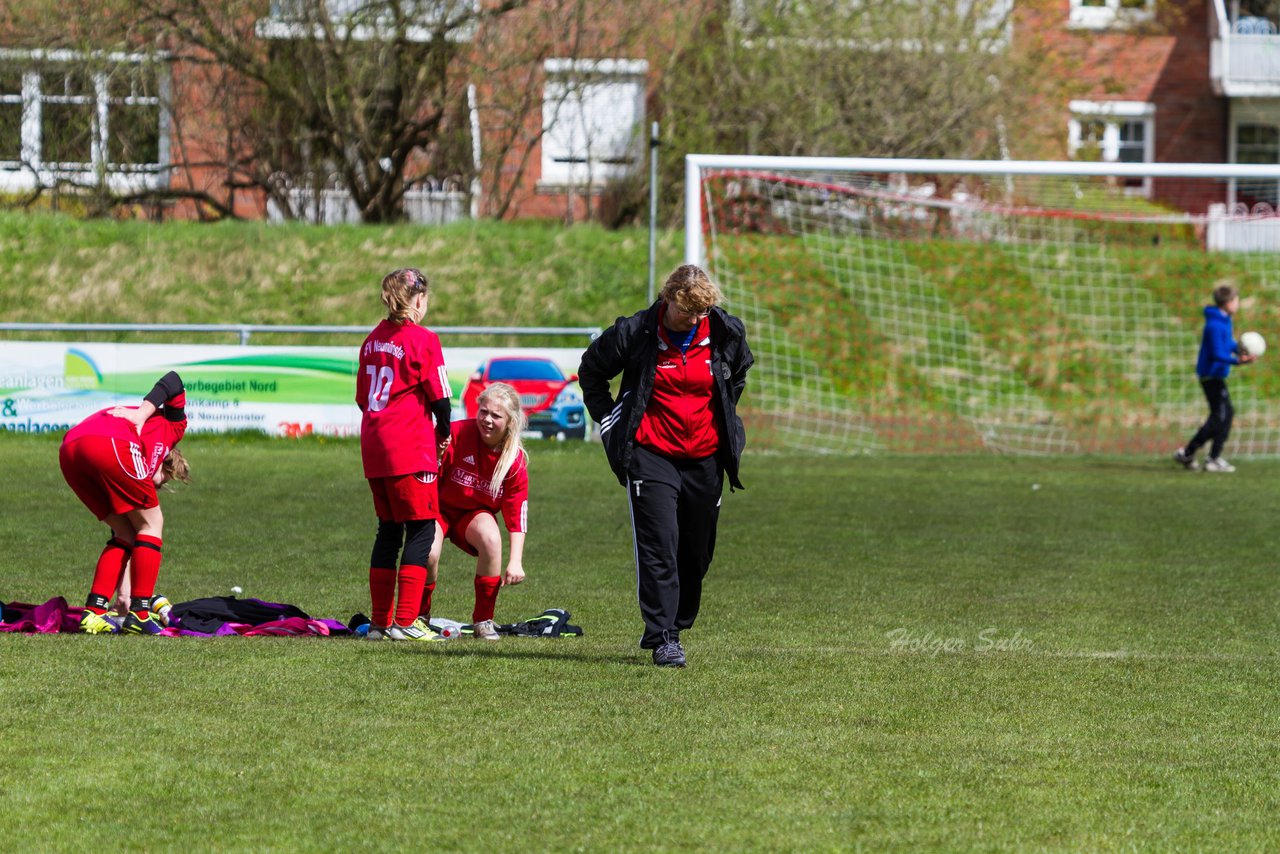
[401, 386]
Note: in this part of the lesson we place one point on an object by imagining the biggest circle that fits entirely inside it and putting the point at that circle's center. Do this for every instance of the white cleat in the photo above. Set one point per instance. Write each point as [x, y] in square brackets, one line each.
[1218, 464]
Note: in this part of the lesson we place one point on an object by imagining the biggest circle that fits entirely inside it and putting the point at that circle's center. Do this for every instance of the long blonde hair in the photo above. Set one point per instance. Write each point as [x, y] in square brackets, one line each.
[176, 467]
[506, 398]
[399, 287]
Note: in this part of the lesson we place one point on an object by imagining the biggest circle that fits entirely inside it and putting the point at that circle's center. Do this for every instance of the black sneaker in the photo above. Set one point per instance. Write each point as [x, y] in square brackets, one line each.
[670, 653]
[1185, 460]
[135, 625]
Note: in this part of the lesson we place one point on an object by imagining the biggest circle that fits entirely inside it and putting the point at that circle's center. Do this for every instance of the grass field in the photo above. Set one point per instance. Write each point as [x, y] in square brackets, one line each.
[483, 273]
[940, 653]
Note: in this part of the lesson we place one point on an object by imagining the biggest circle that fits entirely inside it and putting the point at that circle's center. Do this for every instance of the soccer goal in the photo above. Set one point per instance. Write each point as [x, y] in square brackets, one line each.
[1016, 306]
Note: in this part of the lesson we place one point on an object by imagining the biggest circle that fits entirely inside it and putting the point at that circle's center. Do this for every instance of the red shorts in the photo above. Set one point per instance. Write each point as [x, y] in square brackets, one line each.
[405, 497]
[95, 469]
[455, 528]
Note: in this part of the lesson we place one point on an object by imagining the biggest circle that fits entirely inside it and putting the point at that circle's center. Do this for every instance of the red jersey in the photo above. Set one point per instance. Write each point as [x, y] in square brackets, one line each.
[139, 455]
[680, 420]
[401, 372]
[467, 473]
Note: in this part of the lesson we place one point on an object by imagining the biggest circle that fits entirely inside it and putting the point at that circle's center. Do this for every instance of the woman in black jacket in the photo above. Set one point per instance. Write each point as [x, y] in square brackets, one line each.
[671, 436]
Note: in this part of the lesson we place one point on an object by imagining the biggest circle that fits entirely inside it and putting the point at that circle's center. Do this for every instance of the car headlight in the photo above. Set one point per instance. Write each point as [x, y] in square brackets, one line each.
[568, 396]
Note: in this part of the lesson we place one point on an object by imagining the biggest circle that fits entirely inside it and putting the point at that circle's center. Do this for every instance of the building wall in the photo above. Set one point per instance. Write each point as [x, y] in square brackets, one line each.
[649, 30]
[1164, 62]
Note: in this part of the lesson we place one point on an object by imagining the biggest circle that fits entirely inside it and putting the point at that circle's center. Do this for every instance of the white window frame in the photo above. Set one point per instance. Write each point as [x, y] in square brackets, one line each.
[1111, 15]
[33, 171]
[1113, 114]
[566, 82]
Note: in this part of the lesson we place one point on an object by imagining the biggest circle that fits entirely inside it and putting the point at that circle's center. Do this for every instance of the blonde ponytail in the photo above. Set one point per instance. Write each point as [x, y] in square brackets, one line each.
[399, 287]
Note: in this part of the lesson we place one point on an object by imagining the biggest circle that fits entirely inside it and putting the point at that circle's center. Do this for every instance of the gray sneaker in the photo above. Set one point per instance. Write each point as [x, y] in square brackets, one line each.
[1181, 457]
[670, 653]
[1218, 464]
[376, 633]
[485, 630]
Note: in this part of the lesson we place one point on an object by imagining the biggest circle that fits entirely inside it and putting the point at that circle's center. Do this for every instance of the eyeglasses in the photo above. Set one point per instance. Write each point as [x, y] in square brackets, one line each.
[695, 315]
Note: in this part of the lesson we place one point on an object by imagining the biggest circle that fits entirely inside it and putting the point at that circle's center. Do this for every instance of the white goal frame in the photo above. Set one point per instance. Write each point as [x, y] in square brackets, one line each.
[978, 394]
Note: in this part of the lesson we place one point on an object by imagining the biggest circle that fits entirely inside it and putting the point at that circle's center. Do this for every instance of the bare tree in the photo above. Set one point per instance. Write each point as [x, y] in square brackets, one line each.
[828, 77]
[289, 99]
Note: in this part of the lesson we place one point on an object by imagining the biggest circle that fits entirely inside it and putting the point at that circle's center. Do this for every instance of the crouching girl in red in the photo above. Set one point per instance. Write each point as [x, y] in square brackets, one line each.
[114, 460]
[401, 386]
[485, 471]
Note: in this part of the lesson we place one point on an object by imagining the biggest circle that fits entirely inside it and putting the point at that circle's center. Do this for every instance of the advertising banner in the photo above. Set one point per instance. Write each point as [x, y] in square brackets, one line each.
[283, 391]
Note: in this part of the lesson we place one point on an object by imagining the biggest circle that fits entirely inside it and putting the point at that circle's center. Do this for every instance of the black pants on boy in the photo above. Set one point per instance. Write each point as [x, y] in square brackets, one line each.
[1218, 425]
[675, 505]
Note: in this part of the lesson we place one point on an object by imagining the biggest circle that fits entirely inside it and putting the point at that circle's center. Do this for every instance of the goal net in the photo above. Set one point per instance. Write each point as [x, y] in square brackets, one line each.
[1020, 307]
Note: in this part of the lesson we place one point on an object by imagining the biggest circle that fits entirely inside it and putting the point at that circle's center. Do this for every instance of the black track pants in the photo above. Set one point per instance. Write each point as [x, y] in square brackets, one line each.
[674, 508]
[1218, 426]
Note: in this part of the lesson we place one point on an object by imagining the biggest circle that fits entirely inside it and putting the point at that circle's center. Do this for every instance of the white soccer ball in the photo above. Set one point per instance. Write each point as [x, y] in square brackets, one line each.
[1253, 343]
[236, 590]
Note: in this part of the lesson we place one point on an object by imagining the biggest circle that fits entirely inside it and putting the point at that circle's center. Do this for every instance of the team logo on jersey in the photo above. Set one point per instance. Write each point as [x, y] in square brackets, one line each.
[384, 347]
[158, 452]
[471, 480]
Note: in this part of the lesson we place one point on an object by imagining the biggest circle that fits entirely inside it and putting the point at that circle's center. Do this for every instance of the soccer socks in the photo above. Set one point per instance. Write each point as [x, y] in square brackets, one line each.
[424, 610]
[409, 584]
[106, 575]
[486, 597]
[382, 593]
[146, 569]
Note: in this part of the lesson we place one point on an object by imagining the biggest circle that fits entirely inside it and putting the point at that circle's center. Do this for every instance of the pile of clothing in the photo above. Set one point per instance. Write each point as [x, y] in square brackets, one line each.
[221, 616]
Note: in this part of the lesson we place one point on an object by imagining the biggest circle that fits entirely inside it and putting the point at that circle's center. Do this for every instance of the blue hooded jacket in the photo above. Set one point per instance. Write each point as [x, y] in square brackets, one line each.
[1218, 347]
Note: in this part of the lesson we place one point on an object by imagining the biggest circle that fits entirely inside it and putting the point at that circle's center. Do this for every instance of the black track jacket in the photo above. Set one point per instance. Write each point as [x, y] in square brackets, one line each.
[630, 347]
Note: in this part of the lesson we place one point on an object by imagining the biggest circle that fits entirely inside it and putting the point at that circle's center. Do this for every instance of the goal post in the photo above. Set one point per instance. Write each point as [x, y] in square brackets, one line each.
[1015, 306]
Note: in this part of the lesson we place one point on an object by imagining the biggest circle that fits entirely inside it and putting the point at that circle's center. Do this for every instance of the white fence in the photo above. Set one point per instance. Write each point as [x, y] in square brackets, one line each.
[1258, 231]
[335, 207]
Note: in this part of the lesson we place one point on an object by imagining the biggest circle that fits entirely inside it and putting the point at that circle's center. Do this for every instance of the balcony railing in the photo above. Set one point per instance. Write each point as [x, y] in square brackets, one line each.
[1245, 55]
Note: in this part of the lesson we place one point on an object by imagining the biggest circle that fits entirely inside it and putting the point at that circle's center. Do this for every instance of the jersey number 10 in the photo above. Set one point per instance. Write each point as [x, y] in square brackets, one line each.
[379, 386]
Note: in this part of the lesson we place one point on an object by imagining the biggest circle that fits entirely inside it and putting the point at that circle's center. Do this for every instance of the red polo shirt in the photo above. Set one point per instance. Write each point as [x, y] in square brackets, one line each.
[680, 420]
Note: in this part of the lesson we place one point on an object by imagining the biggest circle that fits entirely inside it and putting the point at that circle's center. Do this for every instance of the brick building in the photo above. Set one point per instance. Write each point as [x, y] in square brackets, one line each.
[542, 139]
[1170, 81]
[1144, 80]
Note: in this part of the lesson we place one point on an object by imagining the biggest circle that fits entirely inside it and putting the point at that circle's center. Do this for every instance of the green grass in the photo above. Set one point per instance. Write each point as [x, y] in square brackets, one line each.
[483, 273]
[1100, 338]
[1135, 711]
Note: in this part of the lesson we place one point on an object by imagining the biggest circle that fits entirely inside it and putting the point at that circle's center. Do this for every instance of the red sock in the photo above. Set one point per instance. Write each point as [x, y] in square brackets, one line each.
[106, 576]
[424, 610]
[382, 590]
[486, 597]
[409, 584]
[146, 569]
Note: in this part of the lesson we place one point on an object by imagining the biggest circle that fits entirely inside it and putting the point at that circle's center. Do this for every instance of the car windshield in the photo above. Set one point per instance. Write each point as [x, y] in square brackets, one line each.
[524, 369]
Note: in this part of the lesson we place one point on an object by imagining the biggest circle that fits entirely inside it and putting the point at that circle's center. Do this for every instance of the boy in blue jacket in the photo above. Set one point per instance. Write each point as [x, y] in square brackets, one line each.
[1218, 352]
